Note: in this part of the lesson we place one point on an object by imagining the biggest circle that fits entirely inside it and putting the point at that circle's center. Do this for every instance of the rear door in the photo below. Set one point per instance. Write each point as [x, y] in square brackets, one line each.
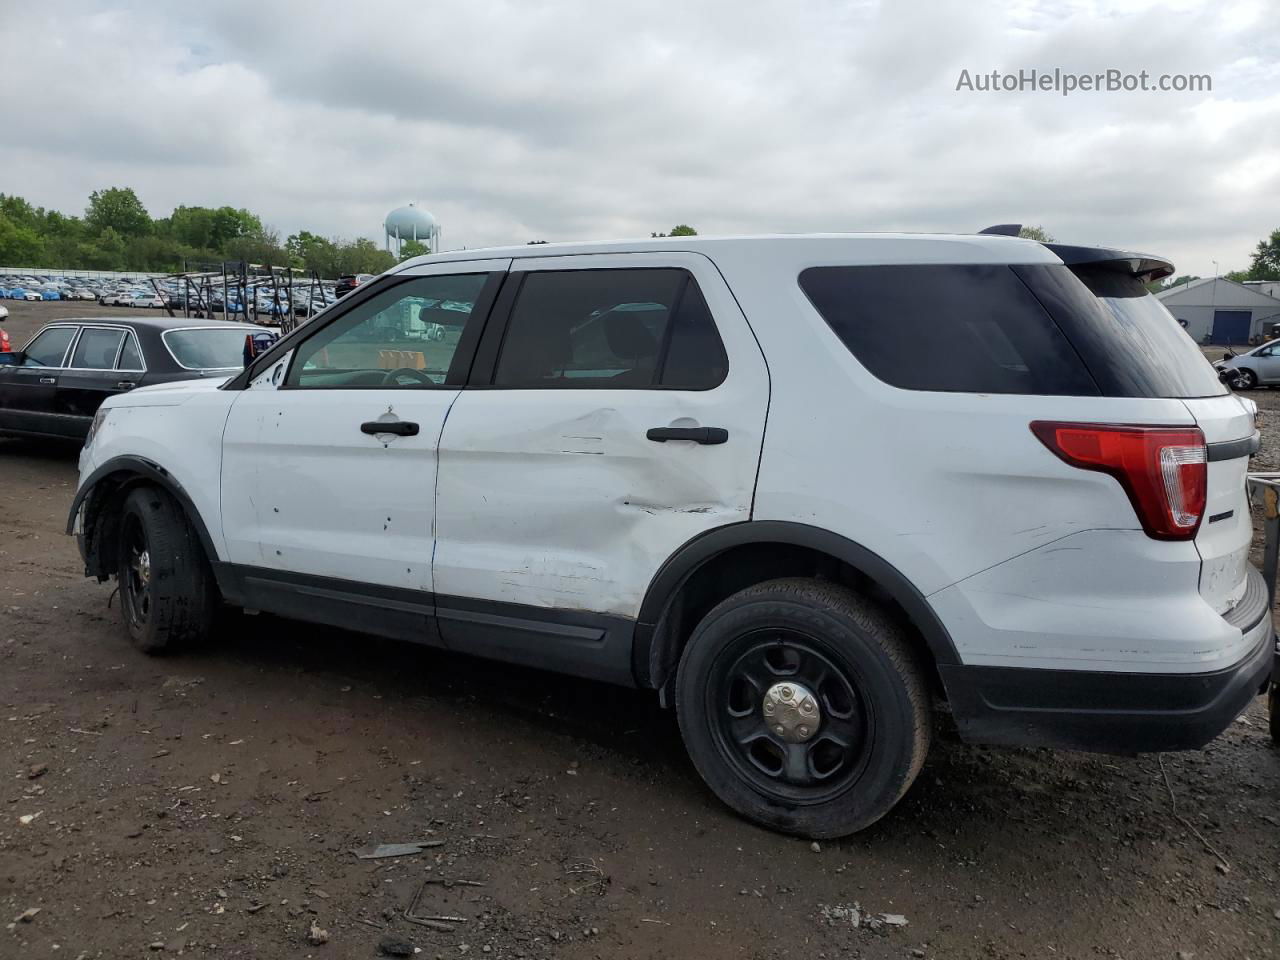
[90, 376]
[616, 411]
[28, 391]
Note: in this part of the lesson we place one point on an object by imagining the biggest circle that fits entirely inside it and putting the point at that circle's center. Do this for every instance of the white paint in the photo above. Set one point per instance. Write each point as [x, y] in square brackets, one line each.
[556, 498]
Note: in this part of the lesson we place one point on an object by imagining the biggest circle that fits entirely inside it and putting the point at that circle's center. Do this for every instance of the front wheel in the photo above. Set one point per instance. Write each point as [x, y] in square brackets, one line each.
[167, 593]
[1246, 379]
[804, 707]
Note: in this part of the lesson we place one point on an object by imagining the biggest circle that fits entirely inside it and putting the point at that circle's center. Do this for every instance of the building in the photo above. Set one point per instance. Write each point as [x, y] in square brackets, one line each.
[1217, 310]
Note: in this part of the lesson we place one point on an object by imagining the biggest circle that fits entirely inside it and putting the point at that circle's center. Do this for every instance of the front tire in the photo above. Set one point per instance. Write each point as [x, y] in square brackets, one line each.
[804, 707]
[1246, 379]
[167, 593]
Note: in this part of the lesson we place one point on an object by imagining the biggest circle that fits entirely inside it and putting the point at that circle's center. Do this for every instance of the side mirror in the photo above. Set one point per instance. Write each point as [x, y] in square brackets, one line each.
[11, 358]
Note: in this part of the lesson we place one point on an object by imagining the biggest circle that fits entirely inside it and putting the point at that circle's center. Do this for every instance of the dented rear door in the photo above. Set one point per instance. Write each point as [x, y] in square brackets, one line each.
[566, 480]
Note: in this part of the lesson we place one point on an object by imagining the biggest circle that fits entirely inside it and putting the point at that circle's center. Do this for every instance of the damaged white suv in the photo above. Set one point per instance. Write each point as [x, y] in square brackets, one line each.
[801, 486]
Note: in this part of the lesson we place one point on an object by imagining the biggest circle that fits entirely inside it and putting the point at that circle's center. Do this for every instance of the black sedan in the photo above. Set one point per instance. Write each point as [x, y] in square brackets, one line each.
[54, 385]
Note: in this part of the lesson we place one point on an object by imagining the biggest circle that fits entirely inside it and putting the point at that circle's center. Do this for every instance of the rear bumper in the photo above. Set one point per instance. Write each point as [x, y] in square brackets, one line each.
[1122, 713]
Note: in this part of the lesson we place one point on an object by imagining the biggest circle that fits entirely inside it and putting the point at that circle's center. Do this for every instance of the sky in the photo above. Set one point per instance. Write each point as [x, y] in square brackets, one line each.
[566, 120]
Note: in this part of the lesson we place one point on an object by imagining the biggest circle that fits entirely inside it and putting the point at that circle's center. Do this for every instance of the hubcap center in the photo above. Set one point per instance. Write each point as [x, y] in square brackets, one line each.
[791, 712]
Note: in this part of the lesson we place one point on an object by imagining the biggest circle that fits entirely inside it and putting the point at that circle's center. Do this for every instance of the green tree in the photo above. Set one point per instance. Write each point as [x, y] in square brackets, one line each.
[119, 209]
[679, 230]
[413, 248]
[1265, 264]
[20, 246]
[1036, 233]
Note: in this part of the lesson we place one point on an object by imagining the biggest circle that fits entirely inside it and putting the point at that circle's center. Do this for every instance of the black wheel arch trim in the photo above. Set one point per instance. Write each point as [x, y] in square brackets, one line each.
[652, 655]
[143, 469]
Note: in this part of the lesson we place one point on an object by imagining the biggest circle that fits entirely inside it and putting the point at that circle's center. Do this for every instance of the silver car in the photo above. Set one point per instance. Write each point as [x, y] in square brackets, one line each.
[1259, 367]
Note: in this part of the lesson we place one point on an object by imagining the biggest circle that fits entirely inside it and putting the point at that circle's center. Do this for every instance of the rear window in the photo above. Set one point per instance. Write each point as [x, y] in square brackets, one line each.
[209, 349]
[1132, 345]
[972, 328]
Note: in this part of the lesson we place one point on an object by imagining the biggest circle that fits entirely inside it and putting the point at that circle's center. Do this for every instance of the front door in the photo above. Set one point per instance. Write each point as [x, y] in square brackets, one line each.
[28, 391]
[329, 456]
[617, 413]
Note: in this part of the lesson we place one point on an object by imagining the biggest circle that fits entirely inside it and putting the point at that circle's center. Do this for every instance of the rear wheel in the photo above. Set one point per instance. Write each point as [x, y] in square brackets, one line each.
[803, 707]
[167, 593]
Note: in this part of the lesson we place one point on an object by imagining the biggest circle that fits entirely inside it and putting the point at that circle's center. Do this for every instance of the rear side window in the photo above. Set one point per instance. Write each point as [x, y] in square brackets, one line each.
[611, 328]
[1131, 343]
[96, 349]
[972, 328]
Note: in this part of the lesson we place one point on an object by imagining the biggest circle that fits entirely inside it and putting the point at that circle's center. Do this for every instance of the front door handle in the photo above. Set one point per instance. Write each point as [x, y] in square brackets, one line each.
[48, 379]
[706, 435]
[401, 428]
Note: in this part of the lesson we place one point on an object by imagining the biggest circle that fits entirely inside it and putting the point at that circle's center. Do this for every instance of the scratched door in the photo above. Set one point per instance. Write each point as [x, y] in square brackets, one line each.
[622, 417]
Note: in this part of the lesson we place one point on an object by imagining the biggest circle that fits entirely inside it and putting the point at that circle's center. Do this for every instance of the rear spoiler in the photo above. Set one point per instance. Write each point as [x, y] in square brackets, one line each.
[1144, 266]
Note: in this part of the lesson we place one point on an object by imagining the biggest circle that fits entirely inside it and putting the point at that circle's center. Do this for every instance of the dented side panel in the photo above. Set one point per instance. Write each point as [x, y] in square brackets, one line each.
[556, 498]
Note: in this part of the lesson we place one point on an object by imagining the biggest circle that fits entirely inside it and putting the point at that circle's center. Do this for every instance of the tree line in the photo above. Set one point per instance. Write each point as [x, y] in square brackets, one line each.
[117, 233]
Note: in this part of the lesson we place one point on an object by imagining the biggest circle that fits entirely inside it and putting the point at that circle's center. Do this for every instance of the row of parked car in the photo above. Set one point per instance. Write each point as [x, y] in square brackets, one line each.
[304, 301]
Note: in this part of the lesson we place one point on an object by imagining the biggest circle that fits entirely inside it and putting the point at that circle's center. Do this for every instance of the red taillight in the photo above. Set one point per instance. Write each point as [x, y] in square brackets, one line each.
[1164, 470]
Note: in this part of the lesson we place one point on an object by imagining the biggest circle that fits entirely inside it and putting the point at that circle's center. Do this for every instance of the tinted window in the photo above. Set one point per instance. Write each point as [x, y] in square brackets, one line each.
[130, 357]
[208, 349]
[970, 328]
[1132, 344]
[48, 349]
[96, 349]
[611, 328]
[405, 336]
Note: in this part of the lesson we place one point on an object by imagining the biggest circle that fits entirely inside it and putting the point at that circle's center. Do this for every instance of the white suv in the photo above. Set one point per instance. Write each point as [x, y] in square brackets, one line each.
[800, 486]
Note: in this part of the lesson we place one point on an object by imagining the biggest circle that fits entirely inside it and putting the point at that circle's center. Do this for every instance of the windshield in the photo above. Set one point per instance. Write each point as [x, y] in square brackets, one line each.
[211, 349]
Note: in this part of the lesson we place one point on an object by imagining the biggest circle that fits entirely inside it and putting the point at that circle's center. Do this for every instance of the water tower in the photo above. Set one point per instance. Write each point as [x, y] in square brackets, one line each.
[412, 223]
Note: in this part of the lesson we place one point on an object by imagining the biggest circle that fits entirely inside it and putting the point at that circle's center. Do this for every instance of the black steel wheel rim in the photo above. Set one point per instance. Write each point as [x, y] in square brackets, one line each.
[135, 572]
[815, 770]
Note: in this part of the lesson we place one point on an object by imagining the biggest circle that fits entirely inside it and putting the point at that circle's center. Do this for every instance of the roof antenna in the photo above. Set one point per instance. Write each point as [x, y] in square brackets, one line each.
[1003, 230]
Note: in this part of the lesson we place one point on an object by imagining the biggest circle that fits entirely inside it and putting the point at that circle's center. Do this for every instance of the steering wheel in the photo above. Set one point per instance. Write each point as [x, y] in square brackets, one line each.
[393, 376]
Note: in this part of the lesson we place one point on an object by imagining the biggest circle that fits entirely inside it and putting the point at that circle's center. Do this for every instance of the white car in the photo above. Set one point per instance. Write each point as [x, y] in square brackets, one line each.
[148, 300]
[802, 487]
[28, 294]
[4, 312]
[116, 299]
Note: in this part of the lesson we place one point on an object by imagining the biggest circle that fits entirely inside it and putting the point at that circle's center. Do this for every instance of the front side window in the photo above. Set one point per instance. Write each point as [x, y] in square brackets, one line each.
[403, 337]
[49, 347]
[611, 328]
[96, 349]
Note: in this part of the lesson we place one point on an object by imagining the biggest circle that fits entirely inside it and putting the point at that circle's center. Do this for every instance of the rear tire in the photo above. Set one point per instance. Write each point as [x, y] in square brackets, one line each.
[167, 593]
[804, 707]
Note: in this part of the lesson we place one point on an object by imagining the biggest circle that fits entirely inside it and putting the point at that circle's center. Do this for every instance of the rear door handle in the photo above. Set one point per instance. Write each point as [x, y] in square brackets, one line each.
[401, 428]
[706, 435]
[48, 379]
[125, 385]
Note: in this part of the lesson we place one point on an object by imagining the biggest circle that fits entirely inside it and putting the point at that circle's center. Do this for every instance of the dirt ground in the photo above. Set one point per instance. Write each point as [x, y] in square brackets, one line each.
[208, 804]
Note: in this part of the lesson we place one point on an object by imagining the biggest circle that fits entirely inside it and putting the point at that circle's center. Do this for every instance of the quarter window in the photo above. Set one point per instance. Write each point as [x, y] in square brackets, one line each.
[130, 356]
[963, 328]
[403, 337]
[96, 349]
[49, 347]
[611, 328]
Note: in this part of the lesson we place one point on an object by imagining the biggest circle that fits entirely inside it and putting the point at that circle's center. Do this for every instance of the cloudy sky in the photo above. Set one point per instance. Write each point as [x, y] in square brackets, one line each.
[563, 120]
